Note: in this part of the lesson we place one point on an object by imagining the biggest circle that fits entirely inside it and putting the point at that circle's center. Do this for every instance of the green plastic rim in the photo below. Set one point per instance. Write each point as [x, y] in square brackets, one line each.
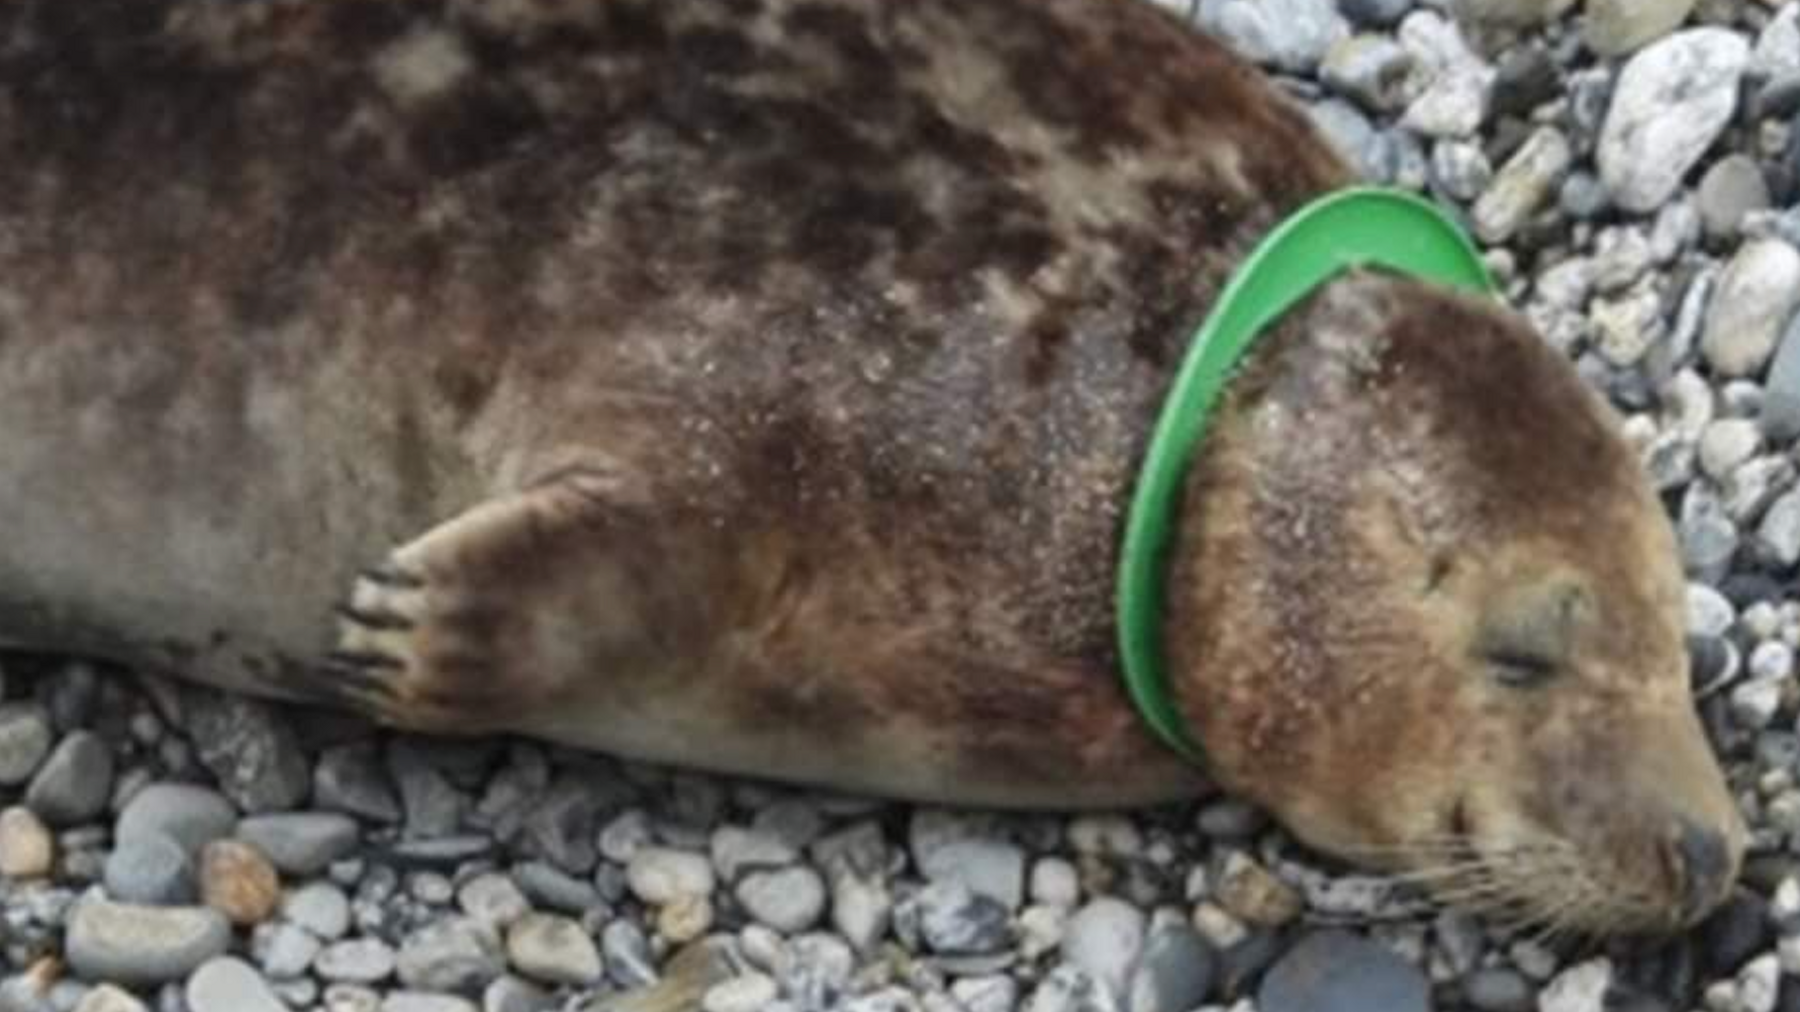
[1346, 229]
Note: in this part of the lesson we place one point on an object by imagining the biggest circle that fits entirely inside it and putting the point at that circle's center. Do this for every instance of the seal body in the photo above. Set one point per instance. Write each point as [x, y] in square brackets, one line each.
[758, 385]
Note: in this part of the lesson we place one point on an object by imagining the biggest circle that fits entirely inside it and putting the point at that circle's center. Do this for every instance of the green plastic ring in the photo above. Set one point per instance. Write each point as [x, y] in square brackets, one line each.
[1356, 227]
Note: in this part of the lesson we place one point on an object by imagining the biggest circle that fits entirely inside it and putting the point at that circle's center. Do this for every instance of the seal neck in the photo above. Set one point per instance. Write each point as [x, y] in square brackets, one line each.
[1343, 230]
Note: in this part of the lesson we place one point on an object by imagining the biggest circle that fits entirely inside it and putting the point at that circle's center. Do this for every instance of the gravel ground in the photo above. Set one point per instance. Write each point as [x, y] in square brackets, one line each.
[1633, 169]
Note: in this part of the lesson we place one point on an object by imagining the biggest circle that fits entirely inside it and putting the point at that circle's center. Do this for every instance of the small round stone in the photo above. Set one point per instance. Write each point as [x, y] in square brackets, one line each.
[660, 875]
[1055, 882]
[956, 921]
[789, 900]
[237, 881]
[27, 850]
[284, 950]
[319, 907]
[493, 899]
[1103, 939]
[684, 918]
[230, 985]
[553, 949]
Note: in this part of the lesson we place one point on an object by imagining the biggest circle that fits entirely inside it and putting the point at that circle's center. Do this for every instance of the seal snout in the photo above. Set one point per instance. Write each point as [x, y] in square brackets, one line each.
[1702, 864]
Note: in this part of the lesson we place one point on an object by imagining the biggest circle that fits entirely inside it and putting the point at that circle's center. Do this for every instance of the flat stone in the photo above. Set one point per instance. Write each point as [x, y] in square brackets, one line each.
[301, 843]
[133, 945]
[1292, 35]
[1780, 414]
[1335, 971]
[74, 783]
[226, 984]
[284, 950]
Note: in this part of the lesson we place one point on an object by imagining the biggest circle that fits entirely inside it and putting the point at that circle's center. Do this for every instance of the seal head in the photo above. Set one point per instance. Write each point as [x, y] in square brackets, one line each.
[1434, 618]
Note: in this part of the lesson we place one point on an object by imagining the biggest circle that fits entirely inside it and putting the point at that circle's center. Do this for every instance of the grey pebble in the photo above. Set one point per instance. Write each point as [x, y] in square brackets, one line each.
[661, 875]
[1176, 971]
[251, 750]
[319, 907]
[1368, 68]
[510, 994]
[736, 849]
[956, 921]
[492, 898]
[355, 961]
[132, 944]
[1499, 990]
[1292, 35]
[25, 739]
[149, 867]
[1756, 299]
[192, 816]
[1672, 100]
[352, 779]
[554, 888]
[1335, 971]
[789, 900]
[1778, 536]
[301, 843]
[74, 783]
[1780, 415]
[562, 828]
[227, 984]
[1731, 189]
[455, 954]
[625, 951]
[1375, 13]
[284, 950]
[553, 949]
[1104, 939]
[432, 806]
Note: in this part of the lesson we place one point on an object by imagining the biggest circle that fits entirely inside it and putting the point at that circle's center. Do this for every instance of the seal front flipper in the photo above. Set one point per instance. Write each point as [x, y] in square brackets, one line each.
[490, 615]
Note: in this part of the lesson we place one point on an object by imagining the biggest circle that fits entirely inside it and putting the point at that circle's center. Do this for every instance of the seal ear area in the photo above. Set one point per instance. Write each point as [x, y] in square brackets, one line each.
[1527, 635]
[487, 616]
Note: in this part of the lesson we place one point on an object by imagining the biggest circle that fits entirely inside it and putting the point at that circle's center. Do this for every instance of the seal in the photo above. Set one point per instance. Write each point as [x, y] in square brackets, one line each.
[757, 385]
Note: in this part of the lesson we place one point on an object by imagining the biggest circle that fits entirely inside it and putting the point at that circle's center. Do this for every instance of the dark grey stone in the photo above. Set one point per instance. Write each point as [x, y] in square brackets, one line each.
[1335, 971]
[74, 783]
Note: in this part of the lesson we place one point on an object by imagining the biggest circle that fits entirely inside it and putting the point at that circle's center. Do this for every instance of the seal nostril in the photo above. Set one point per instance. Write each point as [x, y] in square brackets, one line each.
[1702, 859]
